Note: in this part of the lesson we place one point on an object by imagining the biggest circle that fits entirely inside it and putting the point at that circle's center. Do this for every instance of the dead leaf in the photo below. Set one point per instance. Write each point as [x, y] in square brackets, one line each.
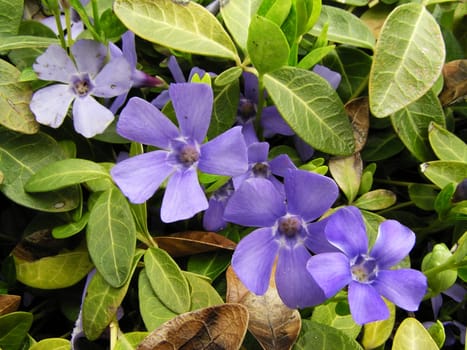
[38, 245]
[358, 111]
[213, 328]
[193, 242]
[9, 303]
[455, 82]
[274, 325]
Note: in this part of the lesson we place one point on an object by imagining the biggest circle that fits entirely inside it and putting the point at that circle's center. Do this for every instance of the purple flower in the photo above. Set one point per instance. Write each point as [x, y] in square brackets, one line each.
[368, 274]
[283, 223]
[81, 79]
[213, 219]
[181, 154]
[247, 106]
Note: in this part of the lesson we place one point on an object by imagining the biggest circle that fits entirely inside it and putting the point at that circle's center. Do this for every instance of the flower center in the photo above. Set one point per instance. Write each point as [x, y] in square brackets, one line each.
[188, 155]
[246, 109]
[289, 226]
[261, 170]
[364, 269]
[81, 84]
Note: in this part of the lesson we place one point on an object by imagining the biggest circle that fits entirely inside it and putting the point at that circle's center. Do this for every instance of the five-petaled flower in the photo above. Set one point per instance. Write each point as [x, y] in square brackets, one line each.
[367, 273]
[181, 151]
[285, 224]
[86, 76]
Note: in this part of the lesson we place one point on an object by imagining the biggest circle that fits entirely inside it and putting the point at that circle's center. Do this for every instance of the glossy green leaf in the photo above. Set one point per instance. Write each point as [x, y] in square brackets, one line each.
[267, 54]
[347, 172]
[381, 145]
[372, 222]
[444, 279]
[25, 41]
[317, 336]
[442, 173]
[202, 293]
[228, 76]
[111, 236]
[13, 329]
[376, 333]
[102, 301]
[412, 335]
[443, 201]
[129, 341]
[437, 332]
[65, 173]
[423, 196]
[275, 11]
[376, 200]
[224, 111]
[408, 59]
[336, 315]
[11, 13]
[312, 109]
[153, 311]
[23, 155]
[14, 101]
[188, 28]
[210, 265]
[344, 27]
[70, 229]
[167, 280]
[52, 344]
[412, 121]
[237, 15]
[446, 145]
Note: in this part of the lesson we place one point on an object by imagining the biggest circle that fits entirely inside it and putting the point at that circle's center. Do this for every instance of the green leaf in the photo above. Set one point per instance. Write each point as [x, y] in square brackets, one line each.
[344, 28]
[188, 28]
[408, 59]
[436, 331]
[275, 11]
[102, 301]
[111, 236]
[267, 54]
[347, 172]
[167, 280]
[446, 145]
[129, 341]
[53, 272]
[444, 279]
[25, 41]
[70, 229]
[210, 265]
[376, 333]
[381, 145]
[412, 335]
[323, 337]
[423, 196]
[442, 173]
[376, 200]
[20, 157]
[153, 311]
[412, 121]
[65, 173]
[224, 111]
[315, 56]
[11, 14]
[336, 315]
[202, 293]
[14, 101]
[13, 329]
[312, 109]
[52, 344]
[237, 16]
[228, 76]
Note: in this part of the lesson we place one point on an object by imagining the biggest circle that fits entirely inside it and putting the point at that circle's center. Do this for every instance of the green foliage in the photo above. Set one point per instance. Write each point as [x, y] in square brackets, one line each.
[13, 329]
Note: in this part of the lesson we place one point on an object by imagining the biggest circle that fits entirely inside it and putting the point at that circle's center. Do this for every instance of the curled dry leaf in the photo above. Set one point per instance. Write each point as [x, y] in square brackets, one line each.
[274, 325]
[358, 111]
[193, 242]
[455, 82]
[9, 303]
[217, 327]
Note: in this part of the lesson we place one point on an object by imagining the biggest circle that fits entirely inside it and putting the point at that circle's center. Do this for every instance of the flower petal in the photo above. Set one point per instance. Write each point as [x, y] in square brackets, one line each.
[331, 271]
[54, 64]
[366, 305]
[140, 176]
[332, 77]
[213, 218]
[142, 122]
[89, 56]
[405, 287]
[253, 259]
[249, 132]
[183, 197]
[175, 70]
[90, 117]
[280, 164]
[295, 285]
[161, 100]
[346, 230]
[192, 103]
[316, 239]
[309, 194]
[114, 79]
[50, 104]
[258, 152]
[255, 203]
[129, 48]
[250, 86]
[226, 154]
[273, 123]
[393, 243]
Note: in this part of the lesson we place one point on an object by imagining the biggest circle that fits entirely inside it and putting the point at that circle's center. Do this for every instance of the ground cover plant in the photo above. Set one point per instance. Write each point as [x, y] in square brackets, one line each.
[235, 174]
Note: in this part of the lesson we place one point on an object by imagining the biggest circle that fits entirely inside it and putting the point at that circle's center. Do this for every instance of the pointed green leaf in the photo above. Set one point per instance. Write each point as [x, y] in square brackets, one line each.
[446, 145]
[312, 109]
[167, 280]
[408, 59]
[52, 344]
[11, 14]
[423, 196]
[65, 173]
[13, 329]
[442, 173]
[411, 124]
[24, 42]
[188, 28]
[412, 335]
[210, 264]
[203, 293]
[344, 27]
[347, 172]
[376, 200]
[437, 332]
[111, 236]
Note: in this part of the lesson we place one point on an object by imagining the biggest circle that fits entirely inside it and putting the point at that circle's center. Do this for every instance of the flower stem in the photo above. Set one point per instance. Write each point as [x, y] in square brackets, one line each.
[259, 110]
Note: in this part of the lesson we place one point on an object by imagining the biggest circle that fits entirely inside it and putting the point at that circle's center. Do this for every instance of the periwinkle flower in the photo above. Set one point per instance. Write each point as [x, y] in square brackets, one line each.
[181, 152]
[284, 225]
[213, 219]
[367, 273]
[80, 80]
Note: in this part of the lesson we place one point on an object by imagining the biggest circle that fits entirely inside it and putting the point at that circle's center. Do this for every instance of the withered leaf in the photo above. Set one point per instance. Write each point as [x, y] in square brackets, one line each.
[274, 325]
[455, 82]
[358, 111]
[193, 242]
[38, 245]
[213, 328]
[9, 303]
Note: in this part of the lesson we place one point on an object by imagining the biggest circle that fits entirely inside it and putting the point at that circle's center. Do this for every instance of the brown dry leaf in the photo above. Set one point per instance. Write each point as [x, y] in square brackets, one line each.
[38, 245]
[358, 111]
[9, 303]
[213, 328]
[274, 325]
[455, 82]
[193, 242]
